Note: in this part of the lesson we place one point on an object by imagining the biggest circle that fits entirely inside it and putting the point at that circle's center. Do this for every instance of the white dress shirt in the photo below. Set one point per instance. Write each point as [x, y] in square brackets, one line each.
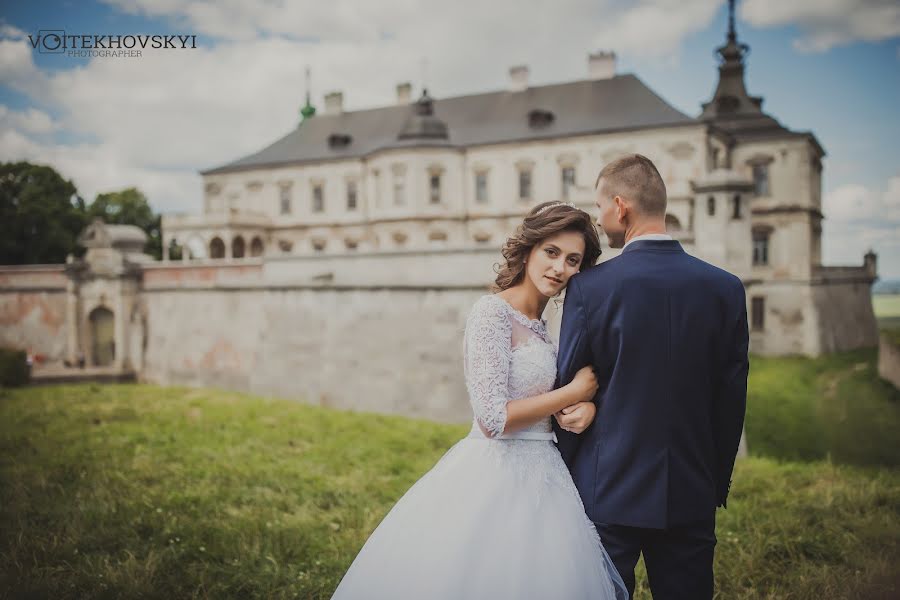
[648, 236]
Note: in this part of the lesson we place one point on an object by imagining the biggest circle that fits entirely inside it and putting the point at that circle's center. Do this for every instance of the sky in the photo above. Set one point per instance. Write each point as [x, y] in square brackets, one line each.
[831, 67]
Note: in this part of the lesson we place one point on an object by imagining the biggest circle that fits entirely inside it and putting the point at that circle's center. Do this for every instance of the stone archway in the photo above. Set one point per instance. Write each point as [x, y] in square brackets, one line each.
[103, 336]
[672, 223]
[256, 247]
[217, 248]
[237, 247]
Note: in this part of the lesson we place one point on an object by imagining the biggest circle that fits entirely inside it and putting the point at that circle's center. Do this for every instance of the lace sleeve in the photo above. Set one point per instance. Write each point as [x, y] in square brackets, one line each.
[488, 353]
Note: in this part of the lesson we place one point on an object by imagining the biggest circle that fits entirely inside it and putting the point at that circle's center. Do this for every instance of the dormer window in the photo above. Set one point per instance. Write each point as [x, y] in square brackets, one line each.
[539, 118]
[338, 141]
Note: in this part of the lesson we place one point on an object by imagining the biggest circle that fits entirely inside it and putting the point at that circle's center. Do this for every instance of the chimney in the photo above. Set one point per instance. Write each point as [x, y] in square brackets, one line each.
[334, 103]
[404, 93]
[601, 65]
[870, 263]
[518, 78]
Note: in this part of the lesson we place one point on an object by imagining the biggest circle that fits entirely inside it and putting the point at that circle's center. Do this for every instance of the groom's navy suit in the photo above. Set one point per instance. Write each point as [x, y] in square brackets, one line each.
[667, 336]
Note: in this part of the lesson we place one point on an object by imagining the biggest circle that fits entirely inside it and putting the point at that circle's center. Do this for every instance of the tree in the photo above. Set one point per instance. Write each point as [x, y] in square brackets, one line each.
[41, 215]
[130, 207]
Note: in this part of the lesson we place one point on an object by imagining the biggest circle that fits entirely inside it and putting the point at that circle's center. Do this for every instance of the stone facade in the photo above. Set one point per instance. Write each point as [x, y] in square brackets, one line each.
[344, 275]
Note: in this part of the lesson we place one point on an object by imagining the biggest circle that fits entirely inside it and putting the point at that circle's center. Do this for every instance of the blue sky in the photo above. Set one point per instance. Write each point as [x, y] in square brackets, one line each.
[830, 68]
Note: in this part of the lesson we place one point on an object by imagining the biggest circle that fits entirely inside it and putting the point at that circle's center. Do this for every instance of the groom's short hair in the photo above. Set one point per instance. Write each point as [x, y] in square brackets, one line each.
[636, 178]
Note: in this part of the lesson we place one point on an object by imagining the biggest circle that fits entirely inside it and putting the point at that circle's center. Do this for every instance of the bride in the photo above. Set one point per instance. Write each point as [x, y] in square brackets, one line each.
[498, 516]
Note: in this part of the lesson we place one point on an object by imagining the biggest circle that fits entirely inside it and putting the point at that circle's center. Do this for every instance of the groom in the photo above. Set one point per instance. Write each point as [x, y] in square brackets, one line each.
[666, 333]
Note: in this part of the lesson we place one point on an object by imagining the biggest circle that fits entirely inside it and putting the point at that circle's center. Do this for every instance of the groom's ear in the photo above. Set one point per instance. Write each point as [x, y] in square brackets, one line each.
[621, 208]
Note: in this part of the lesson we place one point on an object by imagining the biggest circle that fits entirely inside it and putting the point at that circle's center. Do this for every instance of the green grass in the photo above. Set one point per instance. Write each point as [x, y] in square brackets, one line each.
[832, 407]
[134, 491]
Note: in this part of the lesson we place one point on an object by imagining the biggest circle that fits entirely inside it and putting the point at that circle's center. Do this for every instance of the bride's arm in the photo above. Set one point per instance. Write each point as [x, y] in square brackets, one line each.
[522, 413]
[488, 353]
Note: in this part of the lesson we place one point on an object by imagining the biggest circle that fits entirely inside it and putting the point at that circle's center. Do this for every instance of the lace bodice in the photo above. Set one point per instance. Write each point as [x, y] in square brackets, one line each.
[507, 357]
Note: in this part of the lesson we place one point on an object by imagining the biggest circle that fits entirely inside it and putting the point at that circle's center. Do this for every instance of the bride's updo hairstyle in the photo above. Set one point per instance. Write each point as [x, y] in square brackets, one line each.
[543, 221]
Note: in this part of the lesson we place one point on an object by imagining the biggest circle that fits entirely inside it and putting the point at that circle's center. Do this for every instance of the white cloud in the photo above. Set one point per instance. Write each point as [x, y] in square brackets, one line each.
[857, 219]
[11, 32]
[171, 113]
[31, 120]
[827, 23]
[654, 28]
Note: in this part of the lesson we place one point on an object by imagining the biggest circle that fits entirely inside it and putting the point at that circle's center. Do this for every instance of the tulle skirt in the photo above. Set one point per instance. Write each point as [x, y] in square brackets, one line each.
[492, 519]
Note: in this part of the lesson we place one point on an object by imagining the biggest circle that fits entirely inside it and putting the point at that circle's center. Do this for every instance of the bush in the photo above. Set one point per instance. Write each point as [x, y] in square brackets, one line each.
[14, 369]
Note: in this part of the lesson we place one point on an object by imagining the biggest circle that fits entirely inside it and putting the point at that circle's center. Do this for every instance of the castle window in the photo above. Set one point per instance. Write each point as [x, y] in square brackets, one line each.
[256, 247]
[351, 195]
[538, 118]
[761, 246]
[319, 244]
[524, 184]
[568, 181]
[237, 247]
[434, 188]
[318, 204]
[217, 248]
[758, 313]
[711, 206]
[736, 207]
[285, 197]
[437, 236]
[351, 243]
[399, 187]
[672, 223]
[761, 179]
[481, 181]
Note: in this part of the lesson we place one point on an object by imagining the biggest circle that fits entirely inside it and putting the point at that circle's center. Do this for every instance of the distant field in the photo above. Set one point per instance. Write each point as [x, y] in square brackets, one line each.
[886, 305]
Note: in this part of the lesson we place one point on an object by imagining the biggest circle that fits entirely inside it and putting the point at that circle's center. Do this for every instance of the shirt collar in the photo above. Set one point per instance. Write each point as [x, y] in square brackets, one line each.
[649, 236]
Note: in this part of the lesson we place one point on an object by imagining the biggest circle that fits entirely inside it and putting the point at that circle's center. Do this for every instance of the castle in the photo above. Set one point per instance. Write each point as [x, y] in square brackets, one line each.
[339, 262]
[446, 177]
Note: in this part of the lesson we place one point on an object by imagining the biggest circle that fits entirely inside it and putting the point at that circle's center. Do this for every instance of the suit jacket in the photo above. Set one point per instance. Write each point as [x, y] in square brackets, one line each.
[667, 336]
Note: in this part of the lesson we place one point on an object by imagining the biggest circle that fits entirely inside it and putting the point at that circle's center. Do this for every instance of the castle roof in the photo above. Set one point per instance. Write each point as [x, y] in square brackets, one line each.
[619, 103]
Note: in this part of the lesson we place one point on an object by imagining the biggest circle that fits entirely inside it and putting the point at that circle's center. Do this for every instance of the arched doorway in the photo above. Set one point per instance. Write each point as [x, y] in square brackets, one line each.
[672, 223]
[103, 336]
[217, 248]
[256, 247]
[237, 247]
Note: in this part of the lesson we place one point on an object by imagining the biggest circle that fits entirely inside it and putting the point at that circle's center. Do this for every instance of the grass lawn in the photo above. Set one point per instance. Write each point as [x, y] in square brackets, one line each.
[834, 406]
[134, 491]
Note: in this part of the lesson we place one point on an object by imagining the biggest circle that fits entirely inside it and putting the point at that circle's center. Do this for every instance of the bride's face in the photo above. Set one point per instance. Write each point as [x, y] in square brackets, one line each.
[553, 261]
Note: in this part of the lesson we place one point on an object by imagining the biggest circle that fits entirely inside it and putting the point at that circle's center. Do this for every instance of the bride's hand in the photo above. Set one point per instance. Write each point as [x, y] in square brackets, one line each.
[577, 418]
[585, 383]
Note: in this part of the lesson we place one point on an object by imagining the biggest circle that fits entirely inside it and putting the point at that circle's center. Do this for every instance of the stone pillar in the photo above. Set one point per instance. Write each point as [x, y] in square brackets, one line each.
[120, 334]
[73, 319]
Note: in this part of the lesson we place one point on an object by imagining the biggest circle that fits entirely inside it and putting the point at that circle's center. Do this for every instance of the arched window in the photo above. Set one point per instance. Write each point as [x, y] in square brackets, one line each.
[237, 247]
[672, 223]
[256, 247]
[217, 248]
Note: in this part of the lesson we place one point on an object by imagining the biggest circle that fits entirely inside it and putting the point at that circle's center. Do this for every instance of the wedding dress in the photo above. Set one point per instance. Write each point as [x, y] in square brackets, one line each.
[498, 516]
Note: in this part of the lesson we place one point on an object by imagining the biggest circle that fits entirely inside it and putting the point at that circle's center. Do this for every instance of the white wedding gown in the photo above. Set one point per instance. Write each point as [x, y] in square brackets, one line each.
[496, 517]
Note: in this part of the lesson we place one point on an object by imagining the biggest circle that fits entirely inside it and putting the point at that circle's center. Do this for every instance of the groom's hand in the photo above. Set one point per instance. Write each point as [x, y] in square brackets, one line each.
[578, 417]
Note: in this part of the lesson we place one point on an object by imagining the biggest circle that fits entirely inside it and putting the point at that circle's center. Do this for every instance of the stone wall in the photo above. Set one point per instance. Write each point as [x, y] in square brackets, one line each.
[889, 360]
[846, 319]
[383, 350]
[33, 309]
